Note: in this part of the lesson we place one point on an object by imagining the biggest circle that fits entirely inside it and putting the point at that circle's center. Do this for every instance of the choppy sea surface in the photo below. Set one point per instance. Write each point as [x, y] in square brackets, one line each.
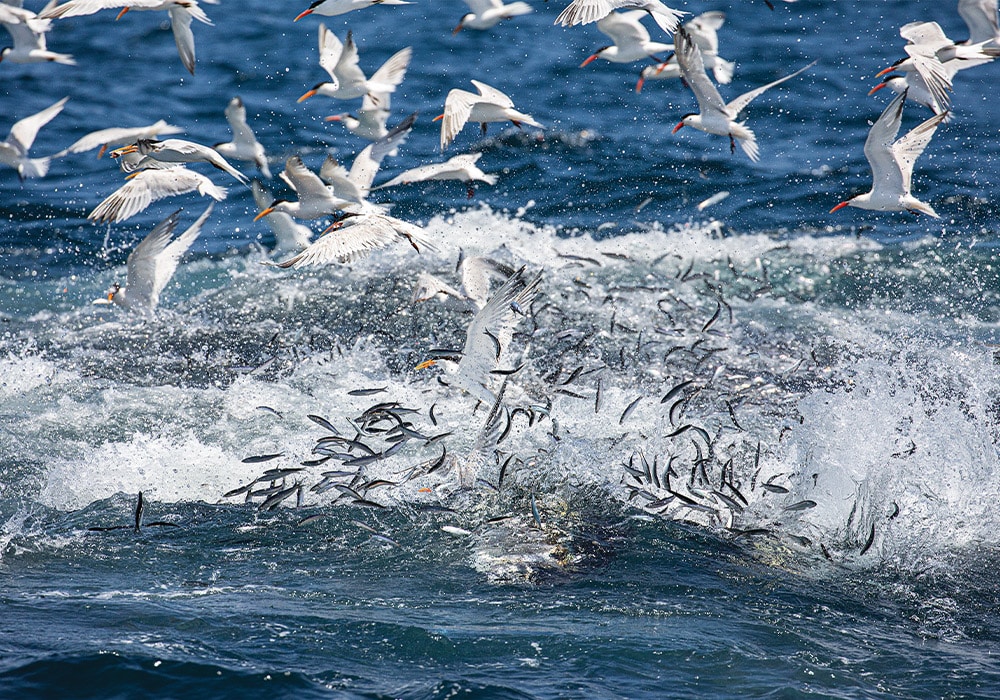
[752, 450]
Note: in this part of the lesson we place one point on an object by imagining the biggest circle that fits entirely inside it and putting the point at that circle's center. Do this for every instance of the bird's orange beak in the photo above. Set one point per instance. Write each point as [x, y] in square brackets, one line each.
[334, 118]
[438, 118]
[303, 14]
[307, 96]
[135, 174]
[677, 128]
[591, 58]
[263, 214]
[877, 88]
[425, 364]
[124, 150]
[457, 29]
[840, 206]
[890, 69]
[122, 13]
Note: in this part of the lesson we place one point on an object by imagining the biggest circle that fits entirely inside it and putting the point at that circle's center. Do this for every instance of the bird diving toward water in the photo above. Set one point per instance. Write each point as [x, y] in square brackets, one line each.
[152, 264]
[14, 149]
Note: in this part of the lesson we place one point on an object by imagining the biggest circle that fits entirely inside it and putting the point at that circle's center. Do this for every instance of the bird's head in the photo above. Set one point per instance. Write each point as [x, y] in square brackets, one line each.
[685, 121]
[889, 82]
[595, 55]
[310, 93]
[274, 206]
[461, 23]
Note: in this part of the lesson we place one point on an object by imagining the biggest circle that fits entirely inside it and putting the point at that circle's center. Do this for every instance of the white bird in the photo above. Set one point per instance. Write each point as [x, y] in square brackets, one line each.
[244, 145]
[331, 8]
[703, 30]
[116, 137]
[289, 236]
[587, 11]
[355, 236]
[149, 185]
[476, 274]
[929, 50]
[335, 188]
[14, 150]
[490, 105]
[632, 42]
[181, 13]
[717, 117]
[892, 162]
[179, 151]
[347, 80]
[981, 18]
[916, 88]
[487, 13]
[489, 335]
[462, 167]
[28, 32]
[152, 264]
[369, 121]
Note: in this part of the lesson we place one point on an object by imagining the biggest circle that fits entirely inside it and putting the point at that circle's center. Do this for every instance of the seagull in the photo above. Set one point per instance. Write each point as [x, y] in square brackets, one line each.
[181, 13]
[929, 50]
[587, 11]
[489, 335]
[347, 81]
[703, 30]
[28, 32]
[151, 265]
[116, 137]
[14, 150]
[892, 162]
[355, 236]
[462, 167]
[331, 8]
[244, 145]
[490, 105]
[487, 13]
[179, 151]
[346, 190]
[716, 116]
[981, 18]
[632, 42]
[150, 184]
[289, 236]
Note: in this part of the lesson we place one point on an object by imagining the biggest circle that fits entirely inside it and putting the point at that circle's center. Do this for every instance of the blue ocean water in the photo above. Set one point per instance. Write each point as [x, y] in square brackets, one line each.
[838, 401]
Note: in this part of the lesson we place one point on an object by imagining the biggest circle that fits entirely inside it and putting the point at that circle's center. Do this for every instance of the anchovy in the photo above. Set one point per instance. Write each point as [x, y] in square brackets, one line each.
[628, 410]
[774, 488]
[272, 502]
[238, 491]
[268, 409]
[503, 472]
[715, 317]
[316, 462]
[732, 414]
[571, 394]
[534, 511]
[323, 423]
[573, 375]
[440, 461]
[386, 539]
[677, 404]
[138, 512]
[275, 474]
[597, 398]
[262, 458]
[367, 503]
[430, 413]
[579, 258]
[311, 519]
[435, 438]
[378, 482]
[367, 392]
[347, 490]
[801, 505]
[895, 511]
[871, 540]
[676, 390]
[728, 501]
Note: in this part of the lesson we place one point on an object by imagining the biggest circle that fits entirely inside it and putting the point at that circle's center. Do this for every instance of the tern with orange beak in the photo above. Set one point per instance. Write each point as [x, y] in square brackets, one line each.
[717, 117]
[490, 105]
[892, 162]
[179, 151]
[588, 11]
[632, 41]
[331, 8]
[347, 80]
[181, 13]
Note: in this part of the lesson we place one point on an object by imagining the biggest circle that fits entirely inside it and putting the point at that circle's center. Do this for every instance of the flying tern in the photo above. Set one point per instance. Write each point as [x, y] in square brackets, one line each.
[587, 11]
[703, 31]
[331, 8]
[181, 13]
[490, 105]
[487, 13]
[152, 264]
[14, 150]
[717, 117]
[115, 137]
[28, 32]
[347, 80]
[981, 18]
[892, 162]
[289, 236]
[244, 145]
[462, 167]
[179, 151]
[632, 41]
[143, 187]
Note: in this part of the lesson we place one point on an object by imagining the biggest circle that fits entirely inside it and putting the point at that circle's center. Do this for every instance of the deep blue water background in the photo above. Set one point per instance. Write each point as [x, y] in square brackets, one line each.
[897, 313]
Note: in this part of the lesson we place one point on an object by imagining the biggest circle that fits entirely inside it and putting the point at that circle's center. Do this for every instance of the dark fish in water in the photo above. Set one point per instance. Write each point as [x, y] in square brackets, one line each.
[715, 317]
[316, 462]
[311, 519]
[571, 394]
[774, 488]
[676, 390]
[257, 459]
[435, 438]
[801, 505]
[367, 392]
[870, 542]
[430, 413]
[628, 410]
[268, 409]
[733, 505]
[273, 502]
[597, 398]
[573, 375]
[323, 423]
[275, 474]
[138, 512]
[366, 503]
[238, 491]
[895, 511]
